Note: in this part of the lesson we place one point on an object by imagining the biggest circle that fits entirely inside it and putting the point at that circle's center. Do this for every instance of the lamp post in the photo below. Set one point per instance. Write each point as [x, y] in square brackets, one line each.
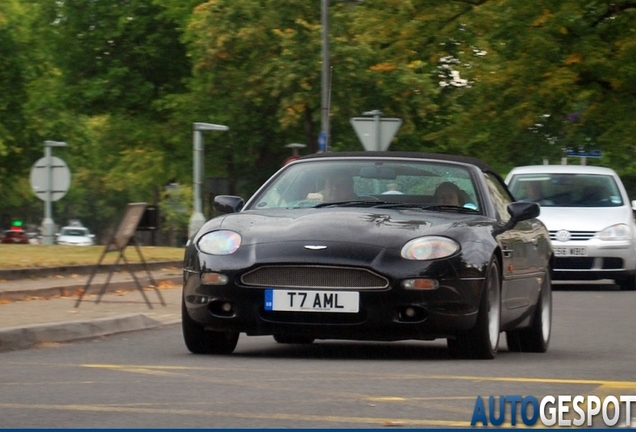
[323, 140]
[197, 219]
[294, 147]
[48, 226]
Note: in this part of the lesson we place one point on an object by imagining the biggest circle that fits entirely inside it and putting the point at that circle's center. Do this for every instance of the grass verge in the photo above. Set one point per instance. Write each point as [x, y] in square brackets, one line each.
[33, 256]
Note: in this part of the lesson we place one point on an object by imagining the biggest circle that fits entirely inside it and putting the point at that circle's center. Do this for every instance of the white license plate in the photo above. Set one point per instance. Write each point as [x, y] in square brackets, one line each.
[570, 251]
[312, 301]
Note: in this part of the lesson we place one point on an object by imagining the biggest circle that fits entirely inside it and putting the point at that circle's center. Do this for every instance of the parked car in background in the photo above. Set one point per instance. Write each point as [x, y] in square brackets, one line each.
[14, 236]
[75, 236]
[589, 216]
[320, 251]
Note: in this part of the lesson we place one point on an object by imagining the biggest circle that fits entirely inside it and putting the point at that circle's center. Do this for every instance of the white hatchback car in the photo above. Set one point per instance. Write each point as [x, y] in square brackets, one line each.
[589, 216]
[75, 236]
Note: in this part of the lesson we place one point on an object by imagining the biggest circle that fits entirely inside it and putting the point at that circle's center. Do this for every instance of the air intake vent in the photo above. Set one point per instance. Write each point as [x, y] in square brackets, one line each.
[314, 277]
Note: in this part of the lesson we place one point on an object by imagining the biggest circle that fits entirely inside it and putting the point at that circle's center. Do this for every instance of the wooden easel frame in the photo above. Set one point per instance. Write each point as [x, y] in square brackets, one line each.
[124, 236]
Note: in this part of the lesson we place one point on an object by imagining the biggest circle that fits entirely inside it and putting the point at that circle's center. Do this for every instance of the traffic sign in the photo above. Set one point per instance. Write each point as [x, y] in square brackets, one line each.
[369, 129]
[60, 177]
[583, 153]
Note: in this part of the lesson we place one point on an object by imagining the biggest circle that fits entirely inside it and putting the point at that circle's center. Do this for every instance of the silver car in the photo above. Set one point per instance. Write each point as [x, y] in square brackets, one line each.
[589, 216]
[75, 236]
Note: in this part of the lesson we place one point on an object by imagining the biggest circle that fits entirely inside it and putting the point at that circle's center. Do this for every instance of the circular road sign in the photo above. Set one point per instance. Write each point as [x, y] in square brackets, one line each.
[60, 175]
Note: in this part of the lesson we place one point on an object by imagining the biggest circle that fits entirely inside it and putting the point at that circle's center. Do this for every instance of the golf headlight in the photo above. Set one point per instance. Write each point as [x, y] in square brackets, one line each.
[427, 248]
[221, 242]
[616, 232]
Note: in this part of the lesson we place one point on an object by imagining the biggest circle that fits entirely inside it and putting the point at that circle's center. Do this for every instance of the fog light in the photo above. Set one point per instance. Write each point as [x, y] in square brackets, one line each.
[213, 279]
[420, 284]
[221, 308]
[412, 314]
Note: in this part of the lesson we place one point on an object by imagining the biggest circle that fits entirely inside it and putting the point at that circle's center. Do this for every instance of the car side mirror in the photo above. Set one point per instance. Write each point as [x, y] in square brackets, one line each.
[228, 203]
[519, 211]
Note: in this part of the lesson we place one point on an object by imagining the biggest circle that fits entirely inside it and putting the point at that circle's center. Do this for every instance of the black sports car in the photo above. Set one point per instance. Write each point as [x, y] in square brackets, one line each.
[377, 246]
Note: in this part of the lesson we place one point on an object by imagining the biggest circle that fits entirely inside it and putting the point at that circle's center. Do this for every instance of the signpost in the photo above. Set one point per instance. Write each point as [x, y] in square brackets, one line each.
[375, 132]
[583, 154]
[50, 180]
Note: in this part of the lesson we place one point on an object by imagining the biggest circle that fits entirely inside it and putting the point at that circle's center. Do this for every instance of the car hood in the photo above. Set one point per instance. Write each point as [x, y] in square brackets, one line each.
[387, 227]
[584, 218]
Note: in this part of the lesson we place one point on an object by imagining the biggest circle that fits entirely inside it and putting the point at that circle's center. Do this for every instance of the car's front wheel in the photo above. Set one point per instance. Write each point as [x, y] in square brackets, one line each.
[482, 341]
[201, 341]
[535, 338]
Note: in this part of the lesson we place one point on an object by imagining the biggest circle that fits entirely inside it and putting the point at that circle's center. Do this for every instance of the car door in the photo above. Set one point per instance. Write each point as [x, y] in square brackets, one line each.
[520, 284]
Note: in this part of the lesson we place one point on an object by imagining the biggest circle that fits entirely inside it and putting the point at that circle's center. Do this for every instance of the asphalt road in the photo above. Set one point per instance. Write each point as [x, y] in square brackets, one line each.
[148, 379]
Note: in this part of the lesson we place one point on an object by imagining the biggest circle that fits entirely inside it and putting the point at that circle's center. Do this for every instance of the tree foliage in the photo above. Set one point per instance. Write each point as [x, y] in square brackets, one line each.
[122, 82]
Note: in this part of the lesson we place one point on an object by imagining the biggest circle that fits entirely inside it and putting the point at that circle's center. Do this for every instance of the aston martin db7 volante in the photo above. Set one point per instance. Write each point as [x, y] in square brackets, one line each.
[377, 246]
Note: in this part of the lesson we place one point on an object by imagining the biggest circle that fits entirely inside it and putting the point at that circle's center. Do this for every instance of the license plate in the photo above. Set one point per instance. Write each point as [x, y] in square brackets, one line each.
[570, 251]
[312, 301]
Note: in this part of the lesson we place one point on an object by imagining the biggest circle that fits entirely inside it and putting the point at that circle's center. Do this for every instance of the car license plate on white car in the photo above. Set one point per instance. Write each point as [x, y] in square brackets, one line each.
[312, 301]
[570, 251]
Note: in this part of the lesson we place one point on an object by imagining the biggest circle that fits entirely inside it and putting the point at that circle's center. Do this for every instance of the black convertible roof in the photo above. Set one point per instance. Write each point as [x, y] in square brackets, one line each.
[415, 155]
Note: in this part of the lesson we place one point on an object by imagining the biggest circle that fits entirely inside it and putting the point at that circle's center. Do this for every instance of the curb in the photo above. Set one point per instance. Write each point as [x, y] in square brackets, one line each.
[69, 290]
[37, 272]
[16, 338]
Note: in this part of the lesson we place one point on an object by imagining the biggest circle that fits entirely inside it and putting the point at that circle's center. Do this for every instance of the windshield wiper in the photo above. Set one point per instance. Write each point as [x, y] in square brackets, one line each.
[352, 203]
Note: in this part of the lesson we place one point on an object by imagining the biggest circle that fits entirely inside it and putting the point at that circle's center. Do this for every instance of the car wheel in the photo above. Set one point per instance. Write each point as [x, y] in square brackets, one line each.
[293, 339]
[201, 341]
[627, 284]
[535, 338]
[482, 341]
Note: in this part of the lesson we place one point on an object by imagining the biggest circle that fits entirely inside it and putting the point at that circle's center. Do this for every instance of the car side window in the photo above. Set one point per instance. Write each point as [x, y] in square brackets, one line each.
[500, 197]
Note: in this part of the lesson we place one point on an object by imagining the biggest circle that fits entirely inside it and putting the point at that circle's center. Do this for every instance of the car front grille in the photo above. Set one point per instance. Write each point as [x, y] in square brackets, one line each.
[575, 235]
[314, 277]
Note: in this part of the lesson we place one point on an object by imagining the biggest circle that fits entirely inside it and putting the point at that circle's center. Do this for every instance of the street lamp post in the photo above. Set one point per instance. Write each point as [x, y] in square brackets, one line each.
[323, 141]
[197, 219]
[295, 147]
[48, 226]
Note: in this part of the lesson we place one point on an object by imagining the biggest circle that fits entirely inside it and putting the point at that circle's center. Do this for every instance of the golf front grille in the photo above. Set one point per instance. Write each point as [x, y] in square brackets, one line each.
[314, 277]
[574, 235]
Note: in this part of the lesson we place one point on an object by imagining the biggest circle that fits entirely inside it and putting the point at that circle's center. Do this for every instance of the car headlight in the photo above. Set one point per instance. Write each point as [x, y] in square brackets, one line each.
[223, 242]
[430, 247]
[616, 232]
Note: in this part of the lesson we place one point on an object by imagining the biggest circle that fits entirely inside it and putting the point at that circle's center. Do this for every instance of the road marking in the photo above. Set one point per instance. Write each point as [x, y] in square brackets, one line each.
[263, 416]
[602, 387]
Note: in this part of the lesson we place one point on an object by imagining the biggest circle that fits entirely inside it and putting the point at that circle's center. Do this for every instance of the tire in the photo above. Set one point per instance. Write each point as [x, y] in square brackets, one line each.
[627, 284]
[201, 341]
[482, 341]
[535, 338]
[293, 339]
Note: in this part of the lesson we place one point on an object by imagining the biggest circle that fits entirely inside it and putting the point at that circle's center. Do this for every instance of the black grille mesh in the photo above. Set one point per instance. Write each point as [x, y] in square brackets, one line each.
[314, 277]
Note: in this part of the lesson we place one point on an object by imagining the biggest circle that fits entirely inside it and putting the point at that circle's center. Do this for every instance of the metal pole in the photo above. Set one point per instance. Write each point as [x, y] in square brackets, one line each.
[48, 226]
[378, 131]
[197, 219]
[325, 132]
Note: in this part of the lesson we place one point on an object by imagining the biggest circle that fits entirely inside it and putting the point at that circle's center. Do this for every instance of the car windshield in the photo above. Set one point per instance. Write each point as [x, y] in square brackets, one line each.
[370, 183]
[567, 190]
[74, 232]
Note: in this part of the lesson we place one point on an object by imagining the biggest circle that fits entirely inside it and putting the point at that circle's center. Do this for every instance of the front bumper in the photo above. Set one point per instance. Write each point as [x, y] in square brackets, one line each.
[393, 313]
[602, 260]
